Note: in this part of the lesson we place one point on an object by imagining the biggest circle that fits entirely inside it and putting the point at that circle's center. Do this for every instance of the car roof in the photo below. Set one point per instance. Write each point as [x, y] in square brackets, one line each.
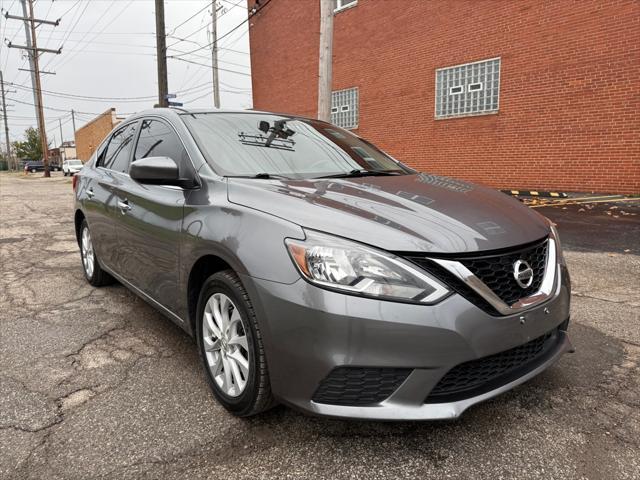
[177, 112]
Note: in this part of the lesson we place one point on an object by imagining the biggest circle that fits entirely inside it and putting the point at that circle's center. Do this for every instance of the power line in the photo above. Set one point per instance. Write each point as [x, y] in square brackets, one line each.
[192, 16]
[63, 109]
[90, 97]
[209, 66]
[73, 26]
[92, 31]
[206, 25]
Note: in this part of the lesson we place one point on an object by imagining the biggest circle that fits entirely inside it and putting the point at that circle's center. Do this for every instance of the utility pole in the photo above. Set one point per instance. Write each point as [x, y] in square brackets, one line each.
[214, 53]
[61, 140]
[325, 72]
[27, 34]
[161, 47]
[34, 54]
[36, 68]
[6, 124]
[73, 122]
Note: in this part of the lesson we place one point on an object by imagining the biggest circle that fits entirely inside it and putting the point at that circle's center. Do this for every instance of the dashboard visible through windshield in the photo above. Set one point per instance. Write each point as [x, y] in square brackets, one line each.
[265, 145]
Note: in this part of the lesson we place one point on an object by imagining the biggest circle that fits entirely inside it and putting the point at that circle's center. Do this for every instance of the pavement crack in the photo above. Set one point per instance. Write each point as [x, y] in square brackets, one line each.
[619, 302]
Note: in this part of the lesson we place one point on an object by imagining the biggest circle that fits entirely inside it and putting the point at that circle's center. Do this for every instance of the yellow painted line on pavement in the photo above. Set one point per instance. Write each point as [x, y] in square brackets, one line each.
[565, 200]
[613, 200]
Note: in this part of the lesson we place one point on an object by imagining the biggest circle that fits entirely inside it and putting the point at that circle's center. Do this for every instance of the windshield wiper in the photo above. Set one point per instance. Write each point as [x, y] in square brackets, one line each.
[364, 173]
[260, 175]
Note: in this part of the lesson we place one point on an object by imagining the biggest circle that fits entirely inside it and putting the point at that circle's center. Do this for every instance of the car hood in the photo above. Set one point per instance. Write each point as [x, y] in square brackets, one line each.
[409, 213]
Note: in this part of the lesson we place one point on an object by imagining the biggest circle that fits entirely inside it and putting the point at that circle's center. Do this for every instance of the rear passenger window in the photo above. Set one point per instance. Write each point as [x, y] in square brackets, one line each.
[116, 155]
[157, 139]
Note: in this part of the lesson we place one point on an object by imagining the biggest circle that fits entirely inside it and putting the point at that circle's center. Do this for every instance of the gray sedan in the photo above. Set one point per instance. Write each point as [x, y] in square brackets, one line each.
[315, 270]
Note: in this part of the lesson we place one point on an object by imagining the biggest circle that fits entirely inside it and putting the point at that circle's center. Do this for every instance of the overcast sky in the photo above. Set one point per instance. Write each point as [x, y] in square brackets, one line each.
[109, 52]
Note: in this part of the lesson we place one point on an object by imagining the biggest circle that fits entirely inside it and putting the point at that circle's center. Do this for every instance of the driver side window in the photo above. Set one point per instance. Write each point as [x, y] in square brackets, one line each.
[157, 139]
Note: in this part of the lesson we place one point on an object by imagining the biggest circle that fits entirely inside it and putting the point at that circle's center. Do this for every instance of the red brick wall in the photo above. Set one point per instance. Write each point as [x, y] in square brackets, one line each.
[569, 114]
[89, 136]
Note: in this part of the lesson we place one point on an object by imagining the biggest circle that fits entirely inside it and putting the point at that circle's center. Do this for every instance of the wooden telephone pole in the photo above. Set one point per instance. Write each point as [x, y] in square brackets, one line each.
[325, 72]
[6, 123]
[214, 53]
[34, 53]
[161, 47]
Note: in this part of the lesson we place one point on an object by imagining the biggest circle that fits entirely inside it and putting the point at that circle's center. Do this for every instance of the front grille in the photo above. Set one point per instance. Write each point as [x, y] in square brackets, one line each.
[484, 374]
[359, 386]
[495, 269]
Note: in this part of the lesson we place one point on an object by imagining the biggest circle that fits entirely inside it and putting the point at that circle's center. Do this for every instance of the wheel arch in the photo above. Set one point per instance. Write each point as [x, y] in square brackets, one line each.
[203, 268]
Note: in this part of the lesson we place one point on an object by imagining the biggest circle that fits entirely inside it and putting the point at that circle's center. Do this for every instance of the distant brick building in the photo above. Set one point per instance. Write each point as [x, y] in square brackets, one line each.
[66, 151]
[89, 136]
[524, 94]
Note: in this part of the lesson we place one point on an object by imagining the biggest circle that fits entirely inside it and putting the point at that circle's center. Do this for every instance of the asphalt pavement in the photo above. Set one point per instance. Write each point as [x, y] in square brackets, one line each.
[94, 383]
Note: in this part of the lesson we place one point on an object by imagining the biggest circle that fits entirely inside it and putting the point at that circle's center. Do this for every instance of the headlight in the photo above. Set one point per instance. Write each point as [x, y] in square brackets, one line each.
[353, 268]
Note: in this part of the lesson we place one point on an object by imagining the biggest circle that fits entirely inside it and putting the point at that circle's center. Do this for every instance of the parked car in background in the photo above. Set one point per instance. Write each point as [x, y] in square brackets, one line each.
[71, 167]
[33, 167]
[316, 270]
[38, 166]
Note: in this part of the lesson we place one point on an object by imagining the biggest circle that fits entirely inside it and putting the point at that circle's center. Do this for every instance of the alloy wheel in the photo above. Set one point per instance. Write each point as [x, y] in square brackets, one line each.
[225, 344]
[87, 252]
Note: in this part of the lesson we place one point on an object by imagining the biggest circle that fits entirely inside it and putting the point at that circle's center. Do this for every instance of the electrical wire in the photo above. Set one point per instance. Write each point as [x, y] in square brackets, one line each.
[73, 26]
[209, 66]
[173, 30]
[90, 97]
[258, 10]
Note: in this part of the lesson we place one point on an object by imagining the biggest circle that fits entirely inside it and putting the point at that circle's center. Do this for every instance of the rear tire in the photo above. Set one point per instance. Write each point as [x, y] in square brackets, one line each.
[93, 272]
[229, 341]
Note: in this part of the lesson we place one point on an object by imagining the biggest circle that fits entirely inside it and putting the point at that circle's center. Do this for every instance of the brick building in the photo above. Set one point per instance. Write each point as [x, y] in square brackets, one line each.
[66, 151]
[89, 136]
[525, 94]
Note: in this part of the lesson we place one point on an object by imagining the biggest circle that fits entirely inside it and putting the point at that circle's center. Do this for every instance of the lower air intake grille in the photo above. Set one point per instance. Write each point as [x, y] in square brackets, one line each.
[484, 374]
[359, 386]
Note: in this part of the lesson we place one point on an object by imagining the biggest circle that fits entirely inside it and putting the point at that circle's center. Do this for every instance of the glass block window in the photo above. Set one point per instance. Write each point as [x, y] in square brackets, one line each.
[469, 89]
[344, 108]
[342, 4]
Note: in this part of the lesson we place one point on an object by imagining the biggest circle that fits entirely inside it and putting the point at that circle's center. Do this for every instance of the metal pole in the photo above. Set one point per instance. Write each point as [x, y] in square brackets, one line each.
[36, 67]
[214, 54]
[325, 60]
[161, 46]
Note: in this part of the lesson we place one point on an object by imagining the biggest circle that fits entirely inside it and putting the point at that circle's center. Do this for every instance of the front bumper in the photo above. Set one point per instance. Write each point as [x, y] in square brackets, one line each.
[309, 331]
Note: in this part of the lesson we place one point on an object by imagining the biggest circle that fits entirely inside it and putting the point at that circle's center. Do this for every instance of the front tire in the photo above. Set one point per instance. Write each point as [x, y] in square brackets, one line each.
[93, 272]
[230, 346]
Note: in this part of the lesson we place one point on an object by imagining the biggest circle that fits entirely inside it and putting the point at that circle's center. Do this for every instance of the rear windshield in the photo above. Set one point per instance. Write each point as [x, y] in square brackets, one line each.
[248, 144]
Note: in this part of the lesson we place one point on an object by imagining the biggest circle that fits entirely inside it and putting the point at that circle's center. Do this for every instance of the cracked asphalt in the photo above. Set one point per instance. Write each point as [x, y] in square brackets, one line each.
[94, 383]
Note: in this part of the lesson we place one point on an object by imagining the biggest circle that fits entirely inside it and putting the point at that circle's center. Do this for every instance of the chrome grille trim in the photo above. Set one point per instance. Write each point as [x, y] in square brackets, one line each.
[551, 278]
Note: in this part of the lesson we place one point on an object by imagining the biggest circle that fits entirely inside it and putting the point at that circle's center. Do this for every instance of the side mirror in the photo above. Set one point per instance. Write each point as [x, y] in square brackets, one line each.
[158, 171]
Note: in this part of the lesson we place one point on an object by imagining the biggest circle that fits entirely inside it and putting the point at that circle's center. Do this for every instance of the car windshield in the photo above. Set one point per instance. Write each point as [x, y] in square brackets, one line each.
[265, 145]
[75, 163]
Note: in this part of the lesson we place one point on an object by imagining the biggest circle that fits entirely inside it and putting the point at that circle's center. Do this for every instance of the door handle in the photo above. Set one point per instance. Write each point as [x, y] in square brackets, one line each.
[124, 206]
[90, 193]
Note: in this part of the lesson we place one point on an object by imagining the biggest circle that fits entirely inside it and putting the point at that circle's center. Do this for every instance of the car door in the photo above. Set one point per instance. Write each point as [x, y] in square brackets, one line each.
[100, 204]
[151, 218]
